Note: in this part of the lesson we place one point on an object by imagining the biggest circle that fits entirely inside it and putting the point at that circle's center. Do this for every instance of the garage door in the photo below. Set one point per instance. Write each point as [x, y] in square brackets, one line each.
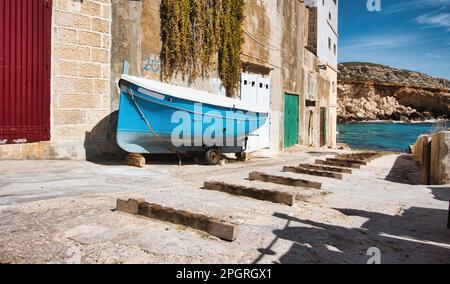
[256, 90]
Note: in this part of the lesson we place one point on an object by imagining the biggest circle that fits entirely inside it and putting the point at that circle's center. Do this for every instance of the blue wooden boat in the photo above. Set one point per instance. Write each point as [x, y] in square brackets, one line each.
[157, 118]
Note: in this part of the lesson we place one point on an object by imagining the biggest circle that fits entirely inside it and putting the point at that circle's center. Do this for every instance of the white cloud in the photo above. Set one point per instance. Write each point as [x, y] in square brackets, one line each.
[415, 5]
[376, 42]
[433, 55]
[435, 20]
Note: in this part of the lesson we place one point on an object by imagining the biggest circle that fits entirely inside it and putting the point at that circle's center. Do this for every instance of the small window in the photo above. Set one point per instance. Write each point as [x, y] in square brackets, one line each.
[334, 49]
[329, 44]
[245, 82]
[267, 86]
[329, 16]
[253, 84]
[310, 103]
[261, 85]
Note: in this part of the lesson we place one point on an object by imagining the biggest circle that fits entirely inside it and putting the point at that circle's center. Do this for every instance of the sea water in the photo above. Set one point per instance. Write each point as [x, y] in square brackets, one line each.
[382, 136]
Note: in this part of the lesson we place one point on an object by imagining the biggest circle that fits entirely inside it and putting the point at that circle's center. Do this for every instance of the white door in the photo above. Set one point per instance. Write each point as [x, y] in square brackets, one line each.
[263, 100]
[256, 90]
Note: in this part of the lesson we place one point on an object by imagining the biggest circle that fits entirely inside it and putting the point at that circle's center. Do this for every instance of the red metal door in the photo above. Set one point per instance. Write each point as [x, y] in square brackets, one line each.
[25, 45]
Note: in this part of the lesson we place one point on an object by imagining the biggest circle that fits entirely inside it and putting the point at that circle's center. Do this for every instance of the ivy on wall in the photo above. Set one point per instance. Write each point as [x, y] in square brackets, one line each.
[196, 34]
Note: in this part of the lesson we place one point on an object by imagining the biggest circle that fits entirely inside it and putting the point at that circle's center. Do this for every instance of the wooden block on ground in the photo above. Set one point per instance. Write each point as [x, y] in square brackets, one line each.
[260, 194]
[357, 162]
[135, 160]
[213, 226]
[131, 206]
[284, 180]
[338, 164]
[299, 170]
[366, 156]
[326, 168]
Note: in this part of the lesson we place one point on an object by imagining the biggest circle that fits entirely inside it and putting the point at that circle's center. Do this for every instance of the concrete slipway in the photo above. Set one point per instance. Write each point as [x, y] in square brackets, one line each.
[62, 212]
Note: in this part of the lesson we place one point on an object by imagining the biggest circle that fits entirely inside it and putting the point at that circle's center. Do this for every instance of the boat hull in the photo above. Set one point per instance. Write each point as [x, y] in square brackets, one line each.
[152, 122]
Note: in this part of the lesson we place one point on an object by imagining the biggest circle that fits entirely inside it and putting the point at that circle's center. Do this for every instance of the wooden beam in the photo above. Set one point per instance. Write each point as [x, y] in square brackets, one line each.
[367, 156]
[357, 162]
[213, 226]
[131, 206]
[338, 164]
[299, 170]
[255, 193]
[326, 168]
[135, 160]
[284, 180]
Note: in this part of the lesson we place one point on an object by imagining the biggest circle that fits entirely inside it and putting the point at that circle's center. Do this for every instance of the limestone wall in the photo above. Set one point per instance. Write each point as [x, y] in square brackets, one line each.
[433, 156]
[440, 158]
[81, 66]
[80, 90]
[422, 154]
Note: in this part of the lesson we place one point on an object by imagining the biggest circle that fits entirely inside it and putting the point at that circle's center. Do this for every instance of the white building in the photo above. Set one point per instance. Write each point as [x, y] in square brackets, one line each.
[323, 42]
[325, 36]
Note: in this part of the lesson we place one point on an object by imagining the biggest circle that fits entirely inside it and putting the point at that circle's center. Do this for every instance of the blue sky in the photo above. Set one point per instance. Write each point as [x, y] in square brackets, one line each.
[410, 34]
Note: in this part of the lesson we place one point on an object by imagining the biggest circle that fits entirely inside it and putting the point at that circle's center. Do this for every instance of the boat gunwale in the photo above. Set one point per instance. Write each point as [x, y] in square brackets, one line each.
[202, 96]
[146, 98]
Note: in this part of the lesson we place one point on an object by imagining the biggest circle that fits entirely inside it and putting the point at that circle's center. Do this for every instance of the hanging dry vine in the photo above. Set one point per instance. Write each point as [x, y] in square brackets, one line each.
[196, 34]
[231, 44]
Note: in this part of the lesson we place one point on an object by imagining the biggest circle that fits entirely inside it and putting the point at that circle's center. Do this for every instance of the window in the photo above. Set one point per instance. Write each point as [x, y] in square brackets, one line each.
[329, 44]
[310, 103]
[323, 2]
[335, 49]
[329, 16]
[335, 3]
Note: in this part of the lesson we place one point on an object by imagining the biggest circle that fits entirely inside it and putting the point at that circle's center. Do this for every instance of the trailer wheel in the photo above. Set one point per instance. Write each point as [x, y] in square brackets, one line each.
[213, 156]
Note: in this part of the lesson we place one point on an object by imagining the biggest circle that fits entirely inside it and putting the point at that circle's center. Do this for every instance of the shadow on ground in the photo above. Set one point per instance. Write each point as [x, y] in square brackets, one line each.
[100, 143]
[405, 170]
[418, 235]
[441, 193]
[101, 147]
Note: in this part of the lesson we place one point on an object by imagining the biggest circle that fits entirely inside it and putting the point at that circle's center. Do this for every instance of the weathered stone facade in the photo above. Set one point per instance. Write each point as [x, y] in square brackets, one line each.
[92, 38]
[433, 155]
[440, 158]
[276, 36]
[81, 66]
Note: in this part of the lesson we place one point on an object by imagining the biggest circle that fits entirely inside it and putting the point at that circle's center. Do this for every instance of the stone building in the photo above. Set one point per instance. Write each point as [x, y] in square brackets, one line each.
[87, 41]
[57, 101]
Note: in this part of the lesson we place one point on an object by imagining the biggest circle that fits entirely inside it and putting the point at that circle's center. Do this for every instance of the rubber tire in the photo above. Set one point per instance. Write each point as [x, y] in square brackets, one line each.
[213, 156]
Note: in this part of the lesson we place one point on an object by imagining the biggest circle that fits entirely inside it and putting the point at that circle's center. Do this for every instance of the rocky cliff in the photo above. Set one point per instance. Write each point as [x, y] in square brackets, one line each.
[375, 92]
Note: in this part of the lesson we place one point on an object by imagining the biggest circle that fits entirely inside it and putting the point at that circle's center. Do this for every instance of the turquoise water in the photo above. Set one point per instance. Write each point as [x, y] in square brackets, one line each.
[382, 136]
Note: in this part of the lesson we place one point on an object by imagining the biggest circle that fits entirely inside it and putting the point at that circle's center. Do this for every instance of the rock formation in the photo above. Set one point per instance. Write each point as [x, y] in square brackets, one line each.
[375, 92]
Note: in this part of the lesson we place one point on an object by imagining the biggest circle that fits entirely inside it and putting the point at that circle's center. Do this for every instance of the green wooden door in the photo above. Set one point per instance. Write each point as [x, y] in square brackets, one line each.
[291, 107]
